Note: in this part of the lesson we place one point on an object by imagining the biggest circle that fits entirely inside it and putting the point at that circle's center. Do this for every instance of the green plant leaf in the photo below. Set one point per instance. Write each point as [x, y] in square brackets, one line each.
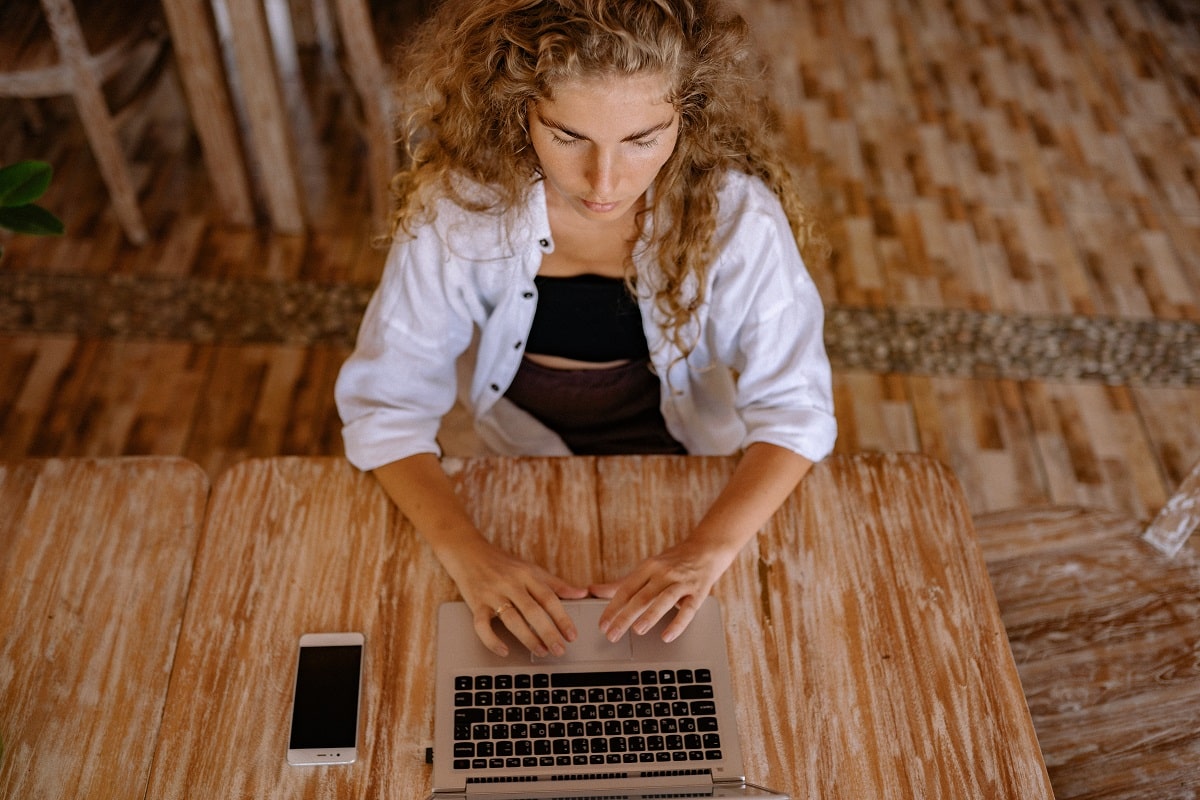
[30, 219]
[23, 182]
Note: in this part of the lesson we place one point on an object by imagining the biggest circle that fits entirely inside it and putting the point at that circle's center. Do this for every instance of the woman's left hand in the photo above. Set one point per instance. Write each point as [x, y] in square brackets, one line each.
[682, 576]
[679, 578]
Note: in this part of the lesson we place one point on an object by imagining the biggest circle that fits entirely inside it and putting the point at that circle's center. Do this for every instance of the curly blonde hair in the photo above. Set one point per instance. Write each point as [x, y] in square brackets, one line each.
[473, 70]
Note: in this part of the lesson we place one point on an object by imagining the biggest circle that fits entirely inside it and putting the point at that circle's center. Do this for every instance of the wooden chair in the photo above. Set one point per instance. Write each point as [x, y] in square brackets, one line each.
[1103, 616]
[58, 50]
[345, 31]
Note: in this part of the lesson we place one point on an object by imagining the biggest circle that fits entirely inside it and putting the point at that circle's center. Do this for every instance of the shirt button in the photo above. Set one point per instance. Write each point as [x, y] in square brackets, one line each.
[495, 387]
[517, 346]
[544, 242]
[527, 295]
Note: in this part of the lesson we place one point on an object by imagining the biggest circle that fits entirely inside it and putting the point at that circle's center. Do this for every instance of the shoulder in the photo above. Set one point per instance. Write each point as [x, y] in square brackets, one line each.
[743, 195]
[470, 222]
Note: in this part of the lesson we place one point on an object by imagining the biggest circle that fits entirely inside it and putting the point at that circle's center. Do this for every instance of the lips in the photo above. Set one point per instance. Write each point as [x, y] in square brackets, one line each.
[598, 208]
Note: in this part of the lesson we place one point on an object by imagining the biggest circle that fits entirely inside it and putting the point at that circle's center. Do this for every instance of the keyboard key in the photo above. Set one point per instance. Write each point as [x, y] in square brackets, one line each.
[593, 679]
[697, 691]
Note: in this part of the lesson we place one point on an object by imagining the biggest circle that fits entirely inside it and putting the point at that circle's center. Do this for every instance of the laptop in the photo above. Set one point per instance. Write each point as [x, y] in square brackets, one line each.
[637, 719]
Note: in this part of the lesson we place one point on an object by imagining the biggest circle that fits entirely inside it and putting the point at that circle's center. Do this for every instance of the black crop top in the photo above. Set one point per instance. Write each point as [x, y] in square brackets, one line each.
[586, 318]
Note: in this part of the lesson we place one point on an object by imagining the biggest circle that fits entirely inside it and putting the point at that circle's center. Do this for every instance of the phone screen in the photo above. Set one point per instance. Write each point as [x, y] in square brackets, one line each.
[325, 709]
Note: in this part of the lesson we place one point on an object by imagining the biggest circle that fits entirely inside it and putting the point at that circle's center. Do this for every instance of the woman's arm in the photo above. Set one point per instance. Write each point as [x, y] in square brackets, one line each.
[683, 576]
[487, 577]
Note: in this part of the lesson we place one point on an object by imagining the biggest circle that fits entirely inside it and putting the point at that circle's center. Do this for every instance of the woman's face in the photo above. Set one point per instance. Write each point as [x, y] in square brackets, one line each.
[601, 141]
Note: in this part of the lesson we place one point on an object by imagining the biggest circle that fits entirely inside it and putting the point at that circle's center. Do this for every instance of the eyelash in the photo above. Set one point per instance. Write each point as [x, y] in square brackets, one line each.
[561, 142]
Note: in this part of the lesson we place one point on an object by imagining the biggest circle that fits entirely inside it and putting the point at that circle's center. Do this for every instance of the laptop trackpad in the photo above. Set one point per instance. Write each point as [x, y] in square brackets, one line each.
[590, 645]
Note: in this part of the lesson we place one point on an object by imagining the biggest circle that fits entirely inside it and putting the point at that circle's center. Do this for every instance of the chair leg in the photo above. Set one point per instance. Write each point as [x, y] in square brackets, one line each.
[94, 114]
[371, 80]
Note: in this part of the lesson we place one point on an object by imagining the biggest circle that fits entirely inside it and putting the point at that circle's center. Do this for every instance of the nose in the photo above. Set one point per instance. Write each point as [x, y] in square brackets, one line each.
[602, 173]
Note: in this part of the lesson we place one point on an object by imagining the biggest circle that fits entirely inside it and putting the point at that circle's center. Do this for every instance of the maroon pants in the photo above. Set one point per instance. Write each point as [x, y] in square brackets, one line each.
[597, 411]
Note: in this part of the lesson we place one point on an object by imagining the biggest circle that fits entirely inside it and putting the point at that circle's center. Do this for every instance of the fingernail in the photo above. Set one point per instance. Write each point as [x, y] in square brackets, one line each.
[559, 650]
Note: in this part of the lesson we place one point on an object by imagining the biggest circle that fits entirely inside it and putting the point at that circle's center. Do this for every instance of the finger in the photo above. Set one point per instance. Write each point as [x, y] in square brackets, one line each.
[565, 590]
[688, 607]
[486, 634]
[620, 595]
[657, 608]
[514, 619]
[621, 615]
[550, 620]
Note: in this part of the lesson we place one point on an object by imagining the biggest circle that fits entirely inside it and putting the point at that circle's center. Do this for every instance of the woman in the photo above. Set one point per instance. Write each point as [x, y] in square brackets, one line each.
[596, 230]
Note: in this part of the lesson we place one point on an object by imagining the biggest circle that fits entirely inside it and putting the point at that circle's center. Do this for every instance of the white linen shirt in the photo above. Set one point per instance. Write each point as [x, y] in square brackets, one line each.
[455, 303]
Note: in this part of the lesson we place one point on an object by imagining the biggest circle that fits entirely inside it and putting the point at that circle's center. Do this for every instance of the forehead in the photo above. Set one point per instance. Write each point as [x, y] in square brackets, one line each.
[639, 87]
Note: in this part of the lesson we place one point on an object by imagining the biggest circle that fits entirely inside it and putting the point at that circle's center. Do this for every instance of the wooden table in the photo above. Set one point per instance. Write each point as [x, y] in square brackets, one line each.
[95, 559]
[870, 656]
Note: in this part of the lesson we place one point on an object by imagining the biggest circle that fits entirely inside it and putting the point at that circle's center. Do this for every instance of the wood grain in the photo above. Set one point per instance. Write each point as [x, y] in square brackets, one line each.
[1104, 630]
[96, 557]
[884, 687]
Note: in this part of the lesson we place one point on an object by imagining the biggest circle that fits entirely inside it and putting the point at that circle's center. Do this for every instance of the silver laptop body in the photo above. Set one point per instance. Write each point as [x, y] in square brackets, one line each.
[636, 719]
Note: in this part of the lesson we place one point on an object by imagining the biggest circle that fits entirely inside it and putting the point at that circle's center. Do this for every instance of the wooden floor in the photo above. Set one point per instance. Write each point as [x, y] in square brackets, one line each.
[1012, 189]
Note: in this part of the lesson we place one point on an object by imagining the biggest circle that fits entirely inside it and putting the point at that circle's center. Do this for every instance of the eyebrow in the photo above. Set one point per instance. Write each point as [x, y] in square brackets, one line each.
[633, 137]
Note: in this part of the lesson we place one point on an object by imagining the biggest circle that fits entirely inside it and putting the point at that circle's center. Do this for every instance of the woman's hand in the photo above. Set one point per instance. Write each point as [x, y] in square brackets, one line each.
[495, 584]
[678, 578]
[524, 597]
[683, 575]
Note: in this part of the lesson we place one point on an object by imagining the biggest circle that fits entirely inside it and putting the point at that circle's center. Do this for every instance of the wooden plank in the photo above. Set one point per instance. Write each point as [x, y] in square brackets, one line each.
[896, 658]
[193, 38]
[1103, 629]
[96, 557]
[266, 115]
[320, 547]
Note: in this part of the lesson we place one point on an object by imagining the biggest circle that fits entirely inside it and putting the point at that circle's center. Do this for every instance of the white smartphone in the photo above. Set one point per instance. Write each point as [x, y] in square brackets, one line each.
[325, 703]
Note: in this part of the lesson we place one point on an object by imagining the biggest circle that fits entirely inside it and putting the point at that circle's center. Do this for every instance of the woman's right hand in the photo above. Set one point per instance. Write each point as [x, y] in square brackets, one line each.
[527, 599]
[495, 584]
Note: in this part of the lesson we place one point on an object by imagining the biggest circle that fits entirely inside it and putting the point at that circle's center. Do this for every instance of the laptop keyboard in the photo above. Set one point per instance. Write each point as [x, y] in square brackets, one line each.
[584, 719]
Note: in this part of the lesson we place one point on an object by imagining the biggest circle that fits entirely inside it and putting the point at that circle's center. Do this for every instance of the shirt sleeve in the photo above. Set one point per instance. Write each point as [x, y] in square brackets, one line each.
[768, 323]
[400, 380]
